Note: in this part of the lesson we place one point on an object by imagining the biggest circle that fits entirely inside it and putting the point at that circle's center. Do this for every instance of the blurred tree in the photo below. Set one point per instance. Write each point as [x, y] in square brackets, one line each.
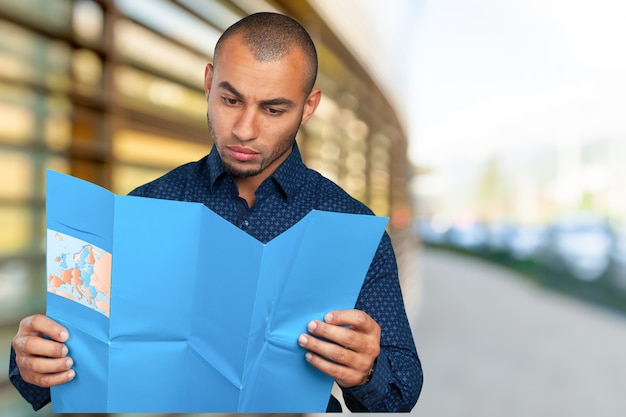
[491, 194]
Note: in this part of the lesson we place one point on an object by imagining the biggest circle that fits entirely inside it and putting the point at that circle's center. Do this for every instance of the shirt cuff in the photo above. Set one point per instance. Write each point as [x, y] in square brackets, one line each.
[372, 393]
[36, 396]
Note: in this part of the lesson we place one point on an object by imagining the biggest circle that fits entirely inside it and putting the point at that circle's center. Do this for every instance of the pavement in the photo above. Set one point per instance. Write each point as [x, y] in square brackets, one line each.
[493, 344]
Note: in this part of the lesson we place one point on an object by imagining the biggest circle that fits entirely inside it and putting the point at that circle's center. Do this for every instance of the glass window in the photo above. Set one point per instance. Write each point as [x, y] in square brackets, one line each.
[88, 70]
[53, 15]
[380, 175]
[149, 94]
[19, 168]
[140, 45]
[56, 125]
[147, 149]
[14, 284]
[167, 18]
[28, 57]
[16, 223]
[16, 124]
[88, 22]
[55, 163]
[143, 157]
[128, 177]
[26, 117]
[214, 11]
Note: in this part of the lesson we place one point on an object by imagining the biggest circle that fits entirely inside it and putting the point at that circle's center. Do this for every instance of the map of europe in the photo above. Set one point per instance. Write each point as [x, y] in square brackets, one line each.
[79, 271]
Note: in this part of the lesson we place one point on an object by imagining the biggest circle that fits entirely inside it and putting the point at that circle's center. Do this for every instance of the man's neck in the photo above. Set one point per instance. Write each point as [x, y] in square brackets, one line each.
[247, 187]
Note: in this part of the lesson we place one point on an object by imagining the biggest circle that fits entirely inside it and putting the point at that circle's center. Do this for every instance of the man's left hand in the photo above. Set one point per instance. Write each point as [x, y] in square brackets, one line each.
[346, 345]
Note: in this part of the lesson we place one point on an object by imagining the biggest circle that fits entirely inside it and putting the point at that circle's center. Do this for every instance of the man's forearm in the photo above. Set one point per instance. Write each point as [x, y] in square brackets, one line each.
[388, 390]
[36, 396]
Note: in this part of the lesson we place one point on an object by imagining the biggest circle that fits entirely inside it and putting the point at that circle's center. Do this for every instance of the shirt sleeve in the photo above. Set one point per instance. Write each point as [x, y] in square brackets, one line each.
[397, 380]
[36, 396]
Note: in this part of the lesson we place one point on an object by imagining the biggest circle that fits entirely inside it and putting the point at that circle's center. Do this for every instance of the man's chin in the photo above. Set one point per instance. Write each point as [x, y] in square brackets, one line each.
[242, 172]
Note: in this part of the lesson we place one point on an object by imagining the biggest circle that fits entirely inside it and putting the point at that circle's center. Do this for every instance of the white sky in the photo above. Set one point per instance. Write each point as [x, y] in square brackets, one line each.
[488, 74]
[474, 76]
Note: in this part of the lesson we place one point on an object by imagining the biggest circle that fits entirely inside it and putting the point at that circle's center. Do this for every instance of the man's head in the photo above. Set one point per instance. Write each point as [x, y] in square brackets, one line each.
[271, 36]
[260, 91]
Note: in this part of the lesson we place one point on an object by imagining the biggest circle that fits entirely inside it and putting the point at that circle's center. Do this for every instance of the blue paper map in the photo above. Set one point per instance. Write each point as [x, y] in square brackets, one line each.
[172, 309]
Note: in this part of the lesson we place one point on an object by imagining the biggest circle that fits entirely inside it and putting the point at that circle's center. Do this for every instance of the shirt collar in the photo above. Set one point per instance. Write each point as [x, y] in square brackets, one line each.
[287, 176]
[215, 166]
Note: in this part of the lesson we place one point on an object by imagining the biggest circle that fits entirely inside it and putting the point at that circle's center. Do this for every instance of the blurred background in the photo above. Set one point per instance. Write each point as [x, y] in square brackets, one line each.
[492, 133]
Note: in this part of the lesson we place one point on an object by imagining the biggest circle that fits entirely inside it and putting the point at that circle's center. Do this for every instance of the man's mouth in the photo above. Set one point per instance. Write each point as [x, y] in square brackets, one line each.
[241, 153]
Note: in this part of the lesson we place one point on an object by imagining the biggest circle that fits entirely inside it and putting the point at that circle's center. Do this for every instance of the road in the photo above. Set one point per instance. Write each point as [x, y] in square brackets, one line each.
[492, 344]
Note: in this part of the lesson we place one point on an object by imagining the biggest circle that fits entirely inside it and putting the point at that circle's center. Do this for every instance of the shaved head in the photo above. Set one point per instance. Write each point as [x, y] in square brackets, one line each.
[270, 37]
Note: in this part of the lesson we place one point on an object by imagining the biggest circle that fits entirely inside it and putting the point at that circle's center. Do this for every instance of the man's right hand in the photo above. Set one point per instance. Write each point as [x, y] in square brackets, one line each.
[41, 361]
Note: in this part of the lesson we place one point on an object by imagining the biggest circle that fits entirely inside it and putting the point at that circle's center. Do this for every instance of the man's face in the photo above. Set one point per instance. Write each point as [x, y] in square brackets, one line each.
[256, 108]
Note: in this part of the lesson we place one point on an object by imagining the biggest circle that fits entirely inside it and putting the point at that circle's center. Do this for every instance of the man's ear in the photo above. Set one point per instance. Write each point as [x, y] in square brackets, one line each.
[208, 78]
[310, 105]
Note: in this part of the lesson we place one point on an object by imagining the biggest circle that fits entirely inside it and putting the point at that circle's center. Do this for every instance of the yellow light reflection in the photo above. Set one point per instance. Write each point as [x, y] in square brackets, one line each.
[126, 177]
[148, 93]
[147, 149]
[140, 44]
[18, 167]
[17, 229]
[357, 130]
[15, 70]
[380, 206]
[355, 185]
[87, 68]
[58, 164]
[330, 151]
[57, 126]
[16, 124]
[87, 20]
[356, 162]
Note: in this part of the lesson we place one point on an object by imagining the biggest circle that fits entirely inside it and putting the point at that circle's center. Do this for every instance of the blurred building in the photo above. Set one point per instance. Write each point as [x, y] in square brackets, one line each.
[532, 185]
[112, 92]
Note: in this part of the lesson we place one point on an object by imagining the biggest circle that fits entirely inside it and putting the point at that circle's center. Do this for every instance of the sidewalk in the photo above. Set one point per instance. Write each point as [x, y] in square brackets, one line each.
[494, 345]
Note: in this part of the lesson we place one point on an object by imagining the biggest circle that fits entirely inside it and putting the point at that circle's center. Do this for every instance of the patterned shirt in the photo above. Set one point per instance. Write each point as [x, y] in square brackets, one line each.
[282, 200]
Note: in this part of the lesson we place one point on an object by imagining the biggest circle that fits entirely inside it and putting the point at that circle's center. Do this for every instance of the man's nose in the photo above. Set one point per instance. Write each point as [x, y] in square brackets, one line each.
[246, 126]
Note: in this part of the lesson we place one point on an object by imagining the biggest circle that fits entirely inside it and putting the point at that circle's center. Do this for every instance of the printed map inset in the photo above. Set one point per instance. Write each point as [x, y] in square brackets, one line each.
[79, 271]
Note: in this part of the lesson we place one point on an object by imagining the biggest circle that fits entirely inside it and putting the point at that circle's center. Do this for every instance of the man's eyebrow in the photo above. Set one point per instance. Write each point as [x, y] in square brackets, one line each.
[229, 87]
[279, 101]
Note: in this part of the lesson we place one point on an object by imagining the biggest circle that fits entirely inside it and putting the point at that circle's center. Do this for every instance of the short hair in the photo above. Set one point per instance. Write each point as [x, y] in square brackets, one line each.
[271, 36]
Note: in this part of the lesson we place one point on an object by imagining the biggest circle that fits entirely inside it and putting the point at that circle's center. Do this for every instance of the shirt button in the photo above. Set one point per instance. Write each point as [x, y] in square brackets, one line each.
[244, 224]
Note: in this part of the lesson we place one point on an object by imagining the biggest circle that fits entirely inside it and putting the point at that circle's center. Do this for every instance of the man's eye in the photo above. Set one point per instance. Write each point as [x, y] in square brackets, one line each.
[274, 112]
[230, 101]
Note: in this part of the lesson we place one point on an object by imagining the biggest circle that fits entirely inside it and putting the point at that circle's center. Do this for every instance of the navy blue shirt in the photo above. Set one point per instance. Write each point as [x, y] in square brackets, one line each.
[282, 200]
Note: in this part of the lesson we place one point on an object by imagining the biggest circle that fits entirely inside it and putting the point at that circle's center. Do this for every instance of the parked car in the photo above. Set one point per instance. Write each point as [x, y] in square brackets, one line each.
[524, 241]
[618, 262]
[498, 234]
[431, 231]
[471, 236]
[580, 245]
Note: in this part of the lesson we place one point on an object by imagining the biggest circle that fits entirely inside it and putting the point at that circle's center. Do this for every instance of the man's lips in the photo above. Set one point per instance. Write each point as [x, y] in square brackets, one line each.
[241, 153]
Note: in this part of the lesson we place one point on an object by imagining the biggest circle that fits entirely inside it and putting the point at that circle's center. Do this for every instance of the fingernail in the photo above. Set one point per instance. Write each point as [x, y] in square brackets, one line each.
[328, 317]
[308, 356]
[303, 340]
[64, 351]
[71, 374]
[312, 326]
[68, 363]
[64, 335]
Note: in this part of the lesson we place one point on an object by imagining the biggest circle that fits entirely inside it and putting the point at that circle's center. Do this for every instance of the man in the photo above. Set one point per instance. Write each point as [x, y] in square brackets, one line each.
[259, 92]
